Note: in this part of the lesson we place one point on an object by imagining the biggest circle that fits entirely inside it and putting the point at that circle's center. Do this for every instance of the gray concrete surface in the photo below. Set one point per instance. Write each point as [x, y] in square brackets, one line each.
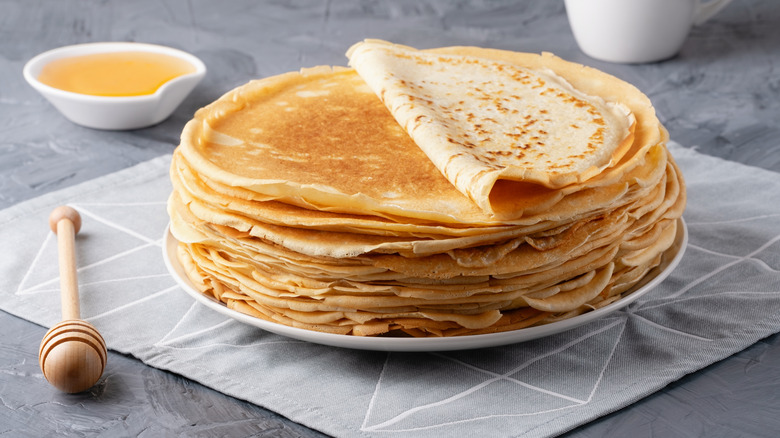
[721, 95]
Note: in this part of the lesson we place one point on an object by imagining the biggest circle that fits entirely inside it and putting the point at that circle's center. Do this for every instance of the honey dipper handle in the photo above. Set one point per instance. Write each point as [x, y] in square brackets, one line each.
[65, 221]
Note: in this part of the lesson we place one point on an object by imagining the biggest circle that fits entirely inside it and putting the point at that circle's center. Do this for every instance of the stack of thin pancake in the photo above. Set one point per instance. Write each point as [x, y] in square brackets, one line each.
[453, 191]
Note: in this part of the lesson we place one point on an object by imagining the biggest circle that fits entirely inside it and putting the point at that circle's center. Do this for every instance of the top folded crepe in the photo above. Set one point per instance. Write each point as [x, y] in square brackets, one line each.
[492, 127]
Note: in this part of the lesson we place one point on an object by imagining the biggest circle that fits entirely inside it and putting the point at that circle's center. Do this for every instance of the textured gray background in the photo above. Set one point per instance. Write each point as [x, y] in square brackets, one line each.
[721, 95]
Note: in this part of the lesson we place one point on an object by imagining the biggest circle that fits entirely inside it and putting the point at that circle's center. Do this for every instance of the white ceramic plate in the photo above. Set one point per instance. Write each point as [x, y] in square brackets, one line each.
[656, 276]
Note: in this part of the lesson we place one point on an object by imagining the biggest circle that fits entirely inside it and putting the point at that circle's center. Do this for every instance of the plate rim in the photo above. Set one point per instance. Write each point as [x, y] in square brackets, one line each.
[465, 342]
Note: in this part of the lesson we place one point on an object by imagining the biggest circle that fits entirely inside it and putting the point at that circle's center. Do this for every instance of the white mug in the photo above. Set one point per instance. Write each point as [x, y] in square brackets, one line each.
[636, 31]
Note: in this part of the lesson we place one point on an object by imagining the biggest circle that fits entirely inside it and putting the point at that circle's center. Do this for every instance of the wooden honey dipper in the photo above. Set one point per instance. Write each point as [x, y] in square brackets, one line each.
[72, 354]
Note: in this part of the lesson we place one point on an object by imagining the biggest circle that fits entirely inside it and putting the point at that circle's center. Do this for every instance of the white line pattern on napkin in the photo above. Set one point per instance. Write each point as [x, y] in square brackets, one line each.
[722, 297]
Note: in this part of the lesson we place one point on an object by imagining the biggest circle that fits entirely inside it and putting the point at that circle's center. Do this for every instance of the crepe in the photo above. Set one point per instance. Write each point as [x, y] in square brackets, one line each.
[512, 125]
[301, 200]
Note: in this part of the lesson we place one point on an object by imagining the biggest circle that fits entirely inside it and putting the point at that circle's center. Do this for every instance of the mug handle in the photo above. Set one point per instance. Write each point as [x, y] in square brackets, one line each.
[706, 9]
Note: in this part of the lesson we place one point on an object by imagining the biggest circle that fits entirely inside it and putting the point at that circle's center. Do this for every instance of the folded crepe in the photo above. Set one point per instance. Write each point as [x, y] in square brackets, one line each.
[485, 122]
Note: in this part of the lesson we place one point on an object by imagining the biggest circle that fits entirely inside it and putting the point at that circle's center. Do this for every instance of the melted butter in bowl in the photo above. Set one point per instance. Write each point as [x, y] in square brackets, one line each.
[115, 85]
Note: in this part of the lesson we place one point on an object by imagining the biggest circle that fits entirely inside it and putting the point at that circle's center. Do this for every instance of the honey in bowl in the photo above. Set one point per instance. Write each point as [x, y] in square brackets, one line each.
[114, 74]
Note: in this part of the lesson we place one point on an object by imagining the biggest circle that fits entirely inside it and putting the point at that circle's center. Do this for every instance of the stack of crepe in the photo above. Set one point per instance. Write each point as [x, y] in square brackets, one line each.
[453, 191]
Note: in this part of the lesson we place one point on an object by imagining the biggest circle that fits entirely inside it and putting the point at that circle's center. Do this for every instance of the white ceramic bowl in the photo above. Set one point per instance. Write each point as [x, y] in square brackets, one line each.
[116, 113]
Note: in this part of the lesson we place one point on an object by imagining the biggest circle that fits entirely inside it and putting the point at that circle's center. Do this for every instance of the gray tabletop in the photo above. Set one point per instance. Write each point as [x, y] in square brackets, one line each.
[720, 95]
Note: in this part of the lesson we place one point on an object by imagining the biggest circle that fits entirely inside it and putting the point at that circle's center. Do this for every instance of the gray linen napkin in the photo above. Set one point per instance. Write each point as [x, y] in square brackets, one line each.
[723, 297]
